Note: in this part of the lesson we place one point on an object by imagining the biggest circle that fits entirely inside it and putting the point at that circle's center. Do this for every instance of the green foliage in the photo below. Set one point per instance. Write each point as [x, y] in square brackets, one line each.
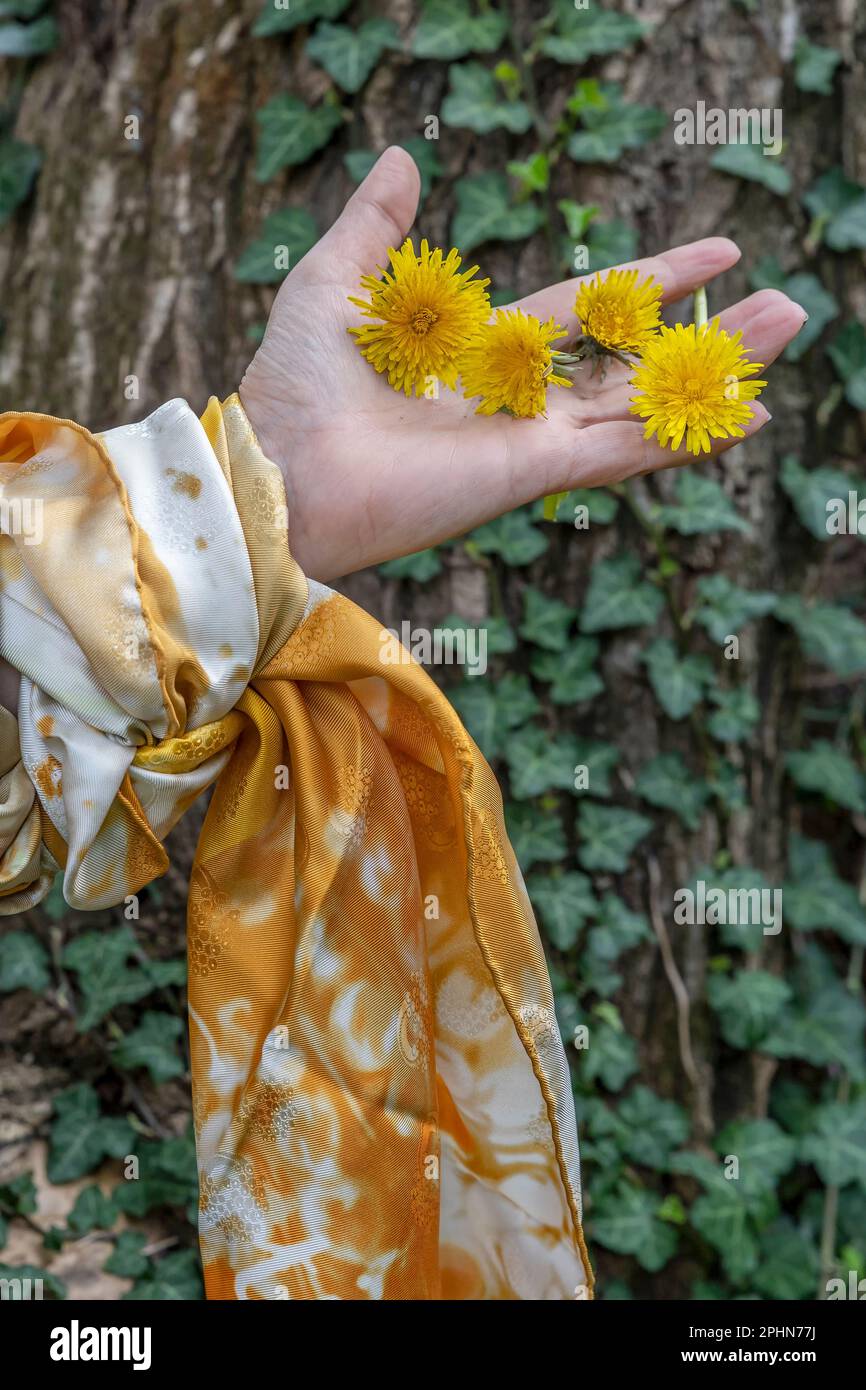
[587, 33]
[28, 40]
[281, 18]
[701, 508]
[814, 66]
[474, 102]
[23, 963]
[262, 263]
[610, 125]
[747, 160]
[679, 683]
[291, 132]
[450, 29]
[618, 597]
[81, 1136]
[350, 55]
[19, 165]
[838, 207]
[485, 213]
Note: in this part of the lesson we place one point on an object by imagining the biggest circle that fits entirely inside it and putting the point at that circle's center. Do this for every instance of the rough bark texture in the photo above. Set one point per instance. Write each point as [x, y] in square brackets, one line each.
[121, 264]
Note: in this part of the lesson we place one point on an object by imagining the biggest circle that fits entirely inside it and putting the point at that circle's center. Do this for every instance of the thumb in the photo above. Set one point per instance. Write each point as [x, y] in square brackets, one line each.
[379, 213]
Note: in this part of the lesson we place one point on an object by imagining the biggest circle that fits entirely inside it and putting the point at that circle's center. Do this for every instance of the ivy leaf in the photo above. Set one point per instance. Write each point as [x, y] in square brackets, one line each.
[167, 1177]
[824, 1028]
[627, 1221]
[619, 929]
[176, 1278]
[127, 1259]
[474, 103]
[52, 1287]
[422, 566]
[789, 1262]
[747, 1003]
[610, 243]
[104, 977]
[837, 1146]
[154, 1044]
[586, 33]
[838, 206]
[815, 898]
[485, 213]
[747, 931]
[546, 621]
[678, 682]
[81, 1136]
[291, 132]
[764, 1152]
[737, 712]
[613, 126]
[448, 29]
[607, 835]
[23, 963]
[359, 162]
[829, 634]
[810, 489]
[279, 16]
[601, 507]
[814, 66]
[572, 679]
[825, 769]
[500, 636]
[491, 711]
[822, 308]
[619, 597]
[512, 537]
[537, 837]
[92, 1211]
[21, 9]
[654, 1127]
[848, 354]
[538, 763]
[729, 786]
[564, 902]
[724, 1220]
[599, 759]
[747, 160]
[611, 1055]
[19, 165]
[28, 40]
[725, 608]
[667, 782]
[702, 507]
[350, 55]
[286, 236]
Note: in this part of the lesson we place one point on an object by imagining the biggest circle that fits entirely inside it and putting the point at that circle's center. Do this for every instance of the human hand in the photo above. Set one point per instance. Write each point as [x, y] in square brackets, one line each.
[371, 474]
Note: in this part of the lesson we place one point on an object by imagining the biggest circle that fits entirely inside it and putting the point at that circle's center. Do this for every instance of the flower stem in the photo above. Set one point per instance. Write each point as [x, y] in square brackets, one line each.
[700, 306]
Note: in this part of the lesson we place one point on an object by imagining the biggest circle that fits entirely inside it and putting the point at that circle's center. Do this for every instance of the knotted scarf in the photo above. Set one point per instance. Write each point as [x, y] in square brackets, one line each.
[381, 1099]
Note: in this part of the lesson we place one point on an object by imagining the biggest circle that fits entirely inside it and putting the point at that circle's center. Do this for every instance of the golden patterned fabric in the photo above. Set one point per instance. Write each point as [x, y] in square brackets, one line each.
[381, 1097]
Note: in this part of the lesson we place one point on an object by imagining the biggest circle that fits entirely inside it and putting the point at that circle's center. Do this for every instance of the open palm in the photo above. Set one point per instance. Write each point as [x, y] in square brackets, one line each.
[371, 474]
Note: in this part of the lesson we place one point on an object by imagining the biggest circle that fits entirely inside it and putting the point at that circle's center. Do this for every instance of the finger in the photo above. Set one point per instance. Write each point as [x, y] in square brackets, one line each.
[680, 271]
[611, 452]
[768, 321]
[377, 216]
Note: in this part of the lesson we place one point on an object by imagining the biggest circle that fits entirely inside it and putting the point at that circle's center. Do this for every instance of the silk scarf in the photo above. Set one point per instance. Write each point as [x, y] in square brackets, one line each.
[381, 1098]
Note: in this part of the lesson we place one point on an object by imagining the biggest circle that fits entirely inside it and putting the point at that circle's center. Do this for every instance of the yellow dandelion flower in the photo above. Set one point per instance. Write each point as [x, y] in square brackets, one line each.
[511, 364]
[692, 381]
[618, 313]
[427, 312]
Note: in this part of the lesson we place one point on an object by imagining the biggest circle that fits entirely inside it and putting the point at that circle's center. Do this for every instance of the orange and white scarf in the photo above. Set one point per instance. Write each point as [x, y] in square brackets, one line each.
[381, 1097]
